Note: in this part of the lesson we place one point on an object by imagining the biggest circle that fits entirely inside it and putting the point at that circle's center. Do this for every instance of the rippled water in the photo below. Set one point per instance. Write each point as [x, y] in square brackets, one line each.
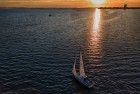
[37, 50]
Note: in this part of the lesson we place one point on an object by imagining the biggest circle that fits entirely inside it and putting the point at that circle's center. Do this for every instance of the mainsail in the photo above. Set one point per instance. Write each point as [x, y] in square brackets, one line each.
[82, 72]
[74, 70]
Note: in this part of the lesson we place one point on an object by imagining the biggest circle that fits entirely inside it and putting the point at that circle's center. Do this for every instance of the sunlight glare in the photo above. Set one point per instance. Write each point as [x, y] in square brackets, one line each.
[97, 1]
[97, 18]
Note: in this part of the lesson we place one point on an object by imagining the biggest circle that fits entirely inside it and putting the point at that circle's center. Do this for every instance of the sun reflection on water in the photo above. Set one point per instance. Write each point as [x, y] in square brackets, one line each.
[97, 18]
[94, 39]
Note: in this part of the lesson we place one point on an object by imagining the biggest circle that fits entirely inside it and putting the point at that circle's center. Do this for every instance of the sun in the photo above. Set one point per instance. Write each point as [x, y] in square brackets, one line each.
[97, 1]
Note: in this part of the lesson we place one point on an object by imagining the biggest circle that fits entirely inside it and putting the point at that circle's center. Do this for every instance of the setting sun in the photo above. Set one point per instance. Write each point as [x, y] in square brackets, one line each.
[98, 1]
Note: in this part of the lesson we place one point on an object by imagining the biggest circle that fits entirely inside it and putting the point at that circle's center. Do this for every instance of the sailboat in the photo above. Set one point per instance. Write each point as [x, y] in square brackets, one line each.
[125, 6]
[81, 77]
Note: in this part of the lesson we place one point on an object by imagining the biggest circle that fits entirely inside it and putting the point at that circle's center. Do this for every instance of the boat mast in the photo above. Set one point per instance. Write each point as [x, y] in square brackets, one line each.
[125, 5]
[82, 72]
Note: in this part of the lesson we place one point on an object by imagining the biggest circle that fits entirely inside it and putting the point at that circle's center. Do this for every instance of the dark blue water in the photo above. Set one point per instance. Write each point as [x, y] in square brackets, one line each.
[37, 50]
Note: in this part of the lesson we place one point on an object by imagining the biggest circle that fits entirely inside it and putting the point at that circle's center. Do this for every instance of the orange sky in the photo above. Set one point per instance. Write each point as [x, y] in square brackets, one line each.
[65, 3]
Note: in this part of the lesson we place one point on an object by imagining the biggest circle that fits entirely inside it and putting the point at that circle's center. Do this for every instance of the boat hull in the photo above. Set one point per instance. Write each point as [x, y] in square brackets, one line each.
[79, 79]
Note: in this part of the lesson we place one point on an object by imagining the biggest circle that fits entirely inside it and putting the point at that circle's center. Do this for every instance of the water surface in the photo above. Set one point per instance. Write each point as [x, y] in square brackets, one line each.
[37, 51]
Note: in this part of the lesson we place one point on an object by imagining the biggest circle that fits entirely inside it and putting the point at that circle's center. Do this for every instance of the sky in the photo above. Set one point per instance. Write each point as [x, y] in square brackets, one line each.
[68, 3]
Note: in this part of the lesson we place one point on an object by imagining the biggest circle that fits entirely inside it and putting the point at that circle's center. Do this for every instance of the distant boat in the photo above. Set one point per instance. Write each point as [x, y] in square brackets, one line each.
[50, 15]
[125, 6]
[81, 77]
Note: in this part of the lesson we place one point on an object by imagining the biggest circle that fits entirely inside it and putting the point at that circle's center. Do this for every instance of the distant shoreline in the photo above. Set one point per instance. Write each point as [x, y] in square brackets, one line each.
[119, 8]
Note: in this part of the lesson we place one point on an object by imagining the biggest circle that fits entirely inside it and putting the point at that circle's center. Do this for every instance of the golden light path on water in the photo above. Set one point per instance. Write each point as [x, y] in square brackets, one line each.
[94, 39]
[97, 16]
[95, 31]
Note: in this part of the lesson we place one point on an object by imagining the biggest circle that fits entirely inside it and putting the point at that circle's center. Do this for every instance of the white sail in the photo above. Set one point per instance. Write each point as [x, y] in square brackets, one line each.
[82, 72]
[74, 70]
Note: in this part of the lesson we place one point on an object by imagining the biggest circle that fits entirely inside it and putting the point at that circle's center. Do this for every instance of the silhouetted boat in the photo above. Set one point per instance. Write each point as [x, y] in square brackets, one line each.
[81, 77]
[125, 6]
[50, 15]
